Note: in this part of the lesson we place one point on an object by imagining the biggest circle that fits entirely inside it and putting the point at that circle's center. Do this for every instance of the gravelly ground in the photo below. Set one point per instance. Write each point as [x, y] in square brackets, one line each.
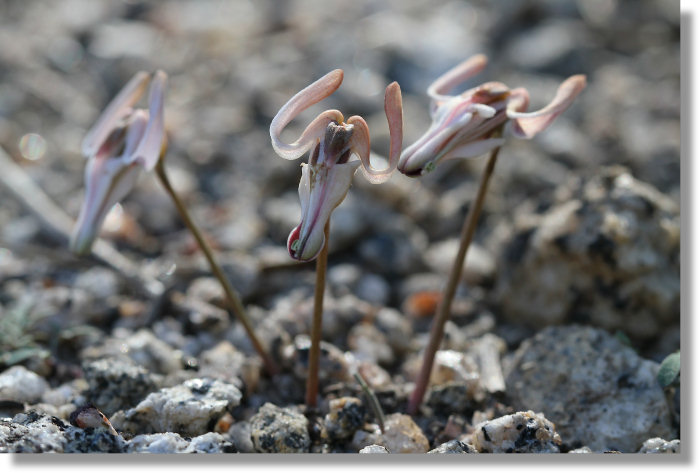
[580, 230]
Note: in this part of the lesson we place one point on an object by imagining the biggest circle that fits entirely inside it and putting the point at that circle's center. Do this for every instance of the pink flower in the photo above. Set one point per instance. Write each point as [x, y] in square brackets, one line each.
[123, 142]
[463, 125]
[326, 178]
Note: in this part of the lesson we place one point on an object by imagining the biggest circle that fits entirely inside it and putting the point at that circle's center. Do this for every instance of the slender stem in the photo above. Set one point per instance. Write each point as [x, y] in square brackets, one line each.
[373, 401]
[233, 300]
[315, 349]
[443, 312]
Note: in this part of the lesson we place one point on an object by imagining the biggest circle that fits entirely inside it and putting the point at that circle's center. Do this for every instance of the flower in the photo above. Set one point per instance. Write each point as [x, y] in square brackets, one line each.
[465, 125]
[123, 142]
[326, 178]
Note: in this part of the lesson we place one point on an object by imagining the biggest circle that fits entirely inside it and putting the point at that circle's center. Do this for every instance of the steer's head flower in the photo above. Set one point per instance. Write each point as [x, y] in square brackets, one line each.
[326, 178]
[123, 142]
[467, 125]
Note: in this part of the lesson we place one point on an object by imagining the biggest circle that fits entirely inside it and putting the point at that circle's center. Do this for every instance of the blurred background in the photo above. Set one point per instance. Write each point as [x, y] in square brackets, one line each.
[611, 261]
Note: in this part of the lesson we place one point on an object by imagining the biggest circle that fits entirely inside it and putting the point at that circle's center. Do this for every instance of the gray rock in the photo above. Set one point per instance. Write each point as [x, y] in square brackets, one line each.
[92, 441]
[402, 435]
[373, 288]
[374, 449]
[188, 409]
[345, 416]
[18, 384]
[396, 328]
[66, 393]
[226, 363]
[117, 383]
[599, 392]
[368, 343]
[167, 442]
[606, 254]
[479, 264]
[454, 446]
[522, 432]
[279, 430]
[101, 283]
[32, 432]
[450, 398]
[240, 435]
[659, 445]
[143, 347]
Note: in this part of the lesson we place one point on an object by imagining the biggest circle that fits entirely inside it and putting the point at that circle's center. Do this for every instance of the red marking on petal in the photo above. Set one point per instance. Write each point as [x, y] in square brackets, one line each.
[293, 238]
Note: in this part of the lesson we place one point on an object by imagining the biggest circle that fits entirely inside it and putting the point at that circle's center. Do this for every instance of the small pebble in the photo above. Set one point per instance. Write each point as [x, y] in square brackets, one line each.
[402, 435]
[279, 430]
[522, 432]
[374, 449]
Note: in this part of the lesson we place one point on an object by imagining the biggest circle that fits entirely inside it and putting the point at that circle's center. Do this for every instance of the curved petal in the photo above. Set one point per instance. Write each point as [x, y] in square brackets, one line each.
[321, 190]
[360, 143]
[458, 74]
[149, 149]
[118, 108]
[527, 125]
[305, 98]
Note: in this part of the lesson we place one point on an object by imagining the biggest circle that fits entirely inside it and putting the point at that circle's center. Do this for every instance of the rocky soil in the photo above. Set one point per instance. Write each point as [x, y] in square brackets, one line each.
[570, 298]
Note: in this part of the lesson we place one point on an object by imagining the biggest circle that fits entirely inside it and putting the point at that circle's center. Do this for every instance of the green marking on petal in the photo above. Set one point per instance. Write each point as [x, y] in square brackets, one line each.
[295, 245]
[429, 167]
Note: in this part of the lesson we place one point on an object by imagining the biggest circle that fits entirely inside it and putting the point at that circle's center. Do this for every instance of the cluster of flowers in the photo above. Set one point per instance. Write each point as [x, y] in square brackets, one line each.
[126, 140]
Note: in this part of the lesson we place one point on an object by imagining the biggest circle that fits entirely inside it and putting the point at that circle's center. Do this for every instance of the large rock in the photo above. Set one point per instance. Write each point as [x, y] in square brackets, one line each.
[596, 390]
[605, 253]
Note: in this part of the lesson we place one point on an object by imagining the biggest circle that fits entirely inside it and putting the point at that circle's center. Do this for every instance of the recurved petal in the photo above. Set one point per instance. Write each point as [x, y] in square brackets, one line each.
[527, 125]
[458, 74]
[118, 108]
[303, 99]
[149, 149]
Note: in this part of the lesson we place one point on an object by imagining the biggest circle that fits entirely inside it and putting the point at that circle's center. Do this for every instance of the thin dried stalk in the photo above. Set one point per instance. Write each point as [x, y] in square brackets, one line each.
[233, 300]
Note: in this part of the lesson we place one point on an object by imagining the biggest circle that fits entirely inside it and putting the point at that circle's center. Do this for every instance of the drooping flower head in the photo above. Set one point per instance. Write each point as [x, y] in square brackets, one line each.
[463, 126]
[123, 142]
[326, 178]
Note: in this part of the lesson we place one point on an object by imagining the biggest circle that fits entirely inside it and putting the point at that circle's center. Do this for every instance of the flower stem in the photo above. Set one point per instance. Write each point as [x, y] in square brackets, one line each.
[443, 311]
[315, 349]
[233, 300]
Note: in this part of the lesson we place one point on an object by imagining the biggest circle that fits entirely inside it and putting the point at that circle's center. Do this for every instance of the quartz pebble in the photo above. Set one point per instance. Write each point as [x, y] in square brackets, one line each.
[18, 384]
[522, 432]
[659, 445]
[279, 430]
[374, 449]
[187, 409]
[170, 442]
